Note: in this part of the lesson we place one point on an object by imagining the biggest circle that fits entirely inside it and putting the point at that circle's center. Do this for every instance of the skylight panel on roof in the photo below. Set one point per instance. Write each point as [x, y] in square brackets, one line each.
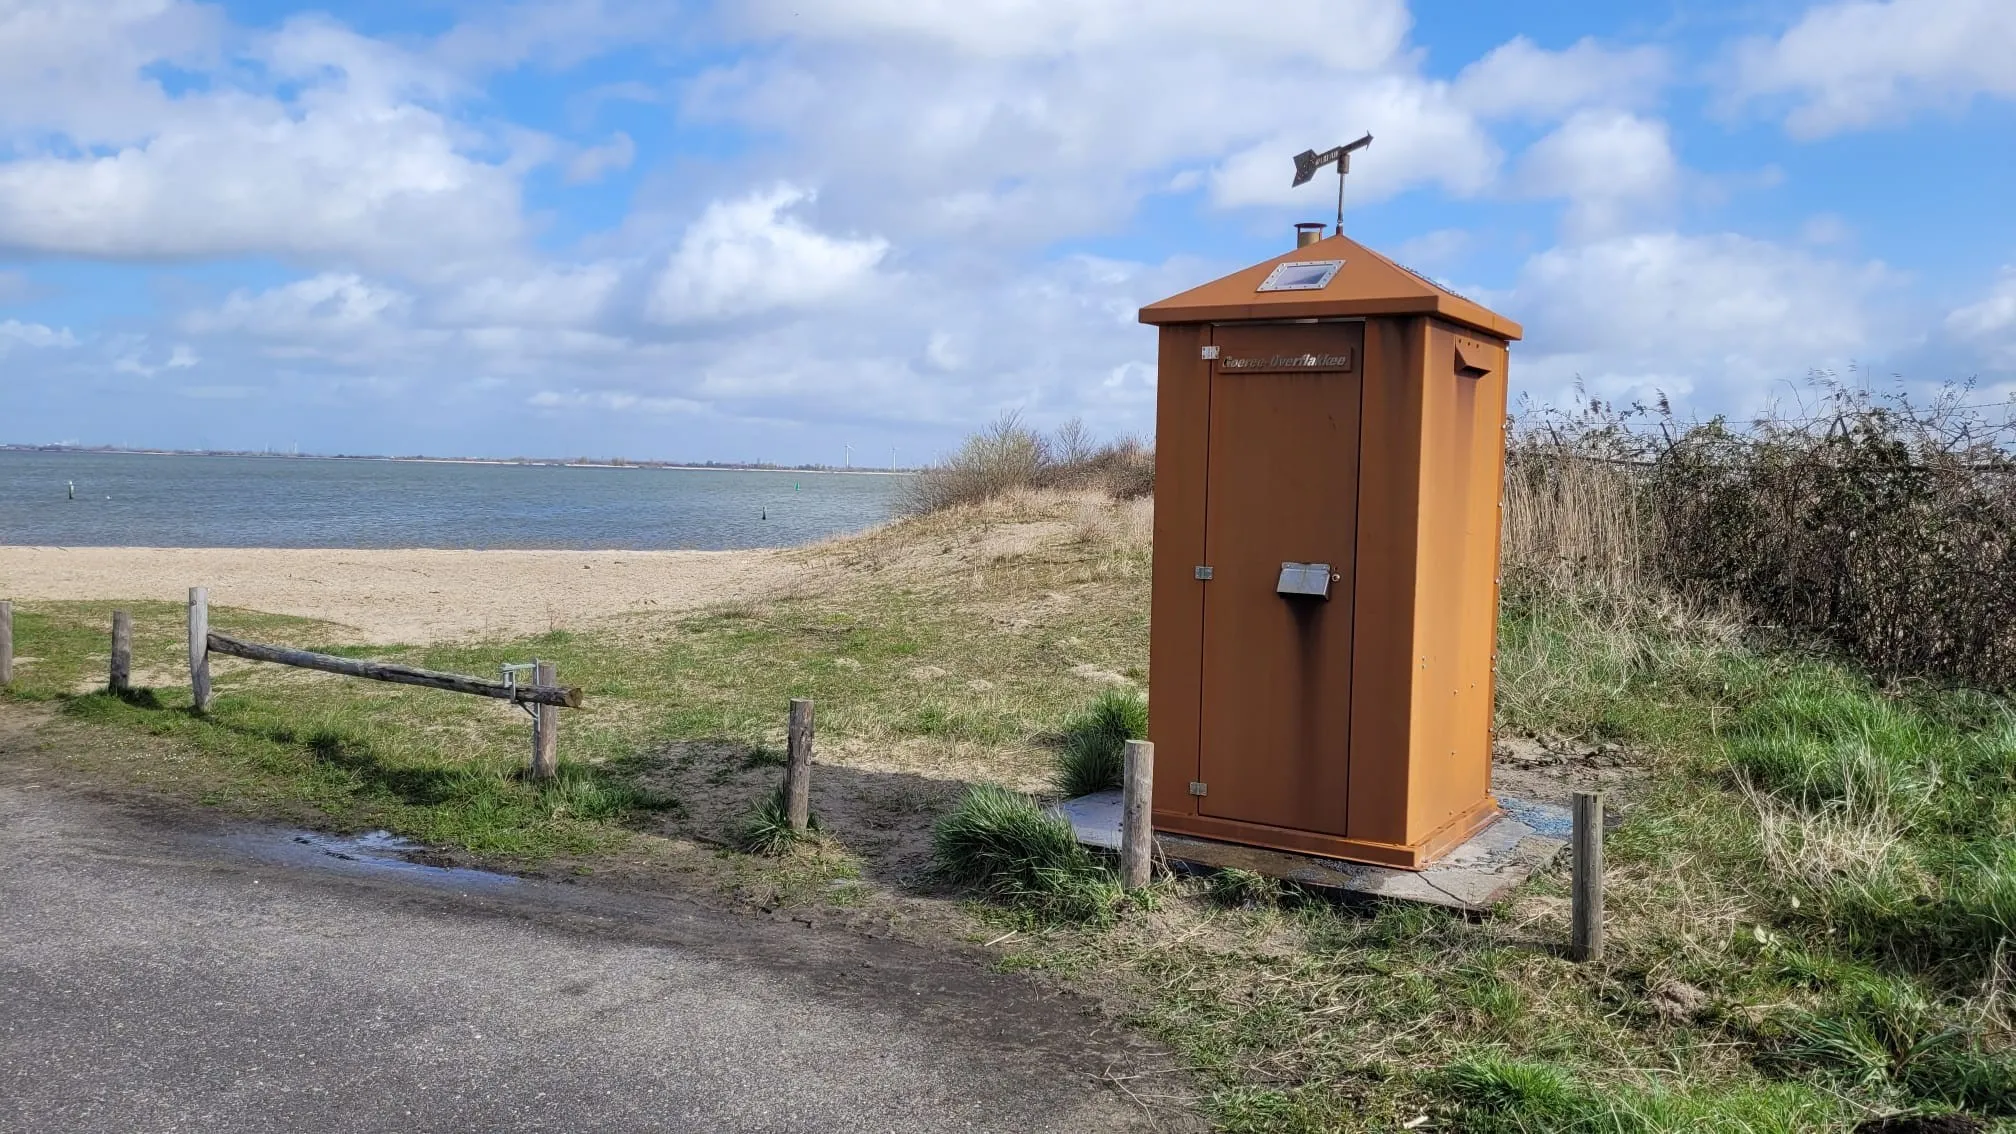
[1301, 275]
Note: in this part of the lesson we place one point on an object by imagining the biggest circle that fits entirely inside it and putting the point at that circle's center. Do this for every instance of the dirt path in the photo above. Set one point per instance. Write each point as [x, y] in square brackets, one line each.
[408, 596]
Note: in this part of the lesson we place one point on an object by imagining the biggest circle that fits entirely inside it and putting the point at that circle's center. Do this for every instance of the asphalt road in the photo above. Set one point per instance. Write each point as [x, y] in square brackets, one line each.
[159, 973]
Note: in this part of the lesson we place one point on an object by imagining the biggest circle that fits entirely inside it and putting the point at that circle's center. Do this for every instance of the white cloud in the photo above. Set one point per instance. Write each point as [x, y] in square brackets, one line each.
[1715, 321]
[1608, 163]
[1995, 313]
[353, 163]
[384, 184]
[137, 354]
[334, 304]
[1520, 79]
[615, 402]
[1014, 122]
[1989, 324]
[550, 33]
[15, 333]
[1420, 136]
[751, 255]
[1863, 63]
[77, 68]
[592, 163]
[1342, 33]
[556, 295]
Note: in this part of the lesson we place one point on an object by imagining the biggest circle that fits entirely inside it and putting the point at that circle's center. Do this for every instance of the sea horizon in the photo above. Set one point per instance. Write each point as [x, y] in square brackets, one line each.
[431, 458]
[116, 498]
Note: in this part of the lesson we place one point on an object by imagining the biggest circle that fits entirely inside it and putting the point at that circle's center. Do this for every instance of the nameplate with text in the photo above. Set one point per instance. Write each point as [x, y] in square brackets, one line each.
[1288, 362]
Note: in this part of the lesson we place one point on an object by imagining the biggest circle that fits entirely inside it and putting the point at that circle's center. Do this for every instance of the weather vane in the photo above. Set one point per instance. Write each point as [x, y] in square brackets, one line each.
[1309, 161]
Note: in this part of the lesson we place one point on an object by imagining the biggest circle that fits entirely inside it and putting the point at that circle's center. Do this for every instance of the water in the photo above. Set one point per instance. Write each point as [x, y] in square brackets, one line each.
[373, 854]
[137, 500]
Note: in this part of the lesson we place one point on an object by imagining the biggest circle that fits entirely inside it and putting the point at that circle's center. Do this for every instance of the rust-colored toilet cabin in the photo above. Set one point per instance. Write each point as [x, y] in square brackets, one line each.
[1329, 462]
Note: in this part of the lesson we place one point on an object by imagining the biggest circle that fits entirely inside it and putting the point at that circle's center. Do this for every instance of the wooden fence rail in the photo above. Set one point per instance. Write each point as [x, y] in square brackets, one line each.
[569, 697]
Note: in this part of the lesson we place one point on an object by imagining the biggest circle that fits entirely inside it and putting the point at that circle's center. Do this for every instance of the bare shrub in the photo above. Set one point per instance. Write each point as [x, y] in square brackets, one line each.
[1122, 469]
[1008, 456]
[1884, 526]
[1889, 529]
[1000, 458]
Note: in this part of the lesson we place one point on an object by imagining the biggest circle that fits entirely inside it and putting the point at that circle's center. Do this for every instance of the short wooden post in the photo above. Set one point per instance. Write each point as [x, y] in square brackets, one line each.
[545, 726]
[798, 765]
[199, 647]
[1586, 908]
[1137, 820]
[121, 679]
[6, 642]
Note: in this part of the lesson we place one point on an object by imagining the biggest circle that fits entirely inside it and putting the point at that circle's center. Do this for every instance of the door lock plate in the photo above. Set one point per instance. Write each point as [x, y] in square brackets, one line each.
[1203, 572]
[1197, 788]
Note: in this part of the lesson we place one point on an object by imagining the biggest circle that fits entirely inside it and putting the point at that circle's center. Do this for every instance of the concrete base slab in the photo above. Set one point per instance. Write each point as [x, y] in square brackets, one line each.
[1471, 877]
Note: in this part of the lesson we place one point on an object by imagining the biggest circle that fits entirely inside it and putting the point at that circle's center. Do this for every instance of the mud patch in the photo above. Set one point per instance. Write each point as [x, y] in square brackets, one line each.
[1550, 769]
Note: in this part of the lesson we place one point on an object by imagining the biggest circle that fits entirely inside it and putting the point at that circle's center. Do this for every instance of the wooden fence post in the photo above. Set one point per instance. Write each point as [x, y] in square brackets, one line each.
[1137, 819]
[798, 766]
[545, 726]
[120, 681]
[6, 642]
[1586, 905]
[199, 647]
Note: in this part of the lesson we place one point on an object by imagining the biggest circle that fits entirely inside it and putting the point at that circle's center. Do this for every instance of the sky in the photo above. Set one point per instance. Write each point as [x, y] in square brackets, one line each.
[856, 230]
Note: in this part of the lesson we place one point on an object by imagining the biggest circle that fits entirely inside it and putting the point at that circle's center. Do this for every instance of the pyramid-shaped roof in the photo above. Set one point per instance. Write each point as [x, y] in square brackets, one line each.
[1365, 283]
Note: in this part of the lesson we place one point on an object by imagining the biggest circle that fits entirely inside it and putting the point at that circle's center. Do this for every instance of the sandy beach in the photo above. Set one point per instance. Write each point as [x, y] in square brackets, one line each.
[410, 596]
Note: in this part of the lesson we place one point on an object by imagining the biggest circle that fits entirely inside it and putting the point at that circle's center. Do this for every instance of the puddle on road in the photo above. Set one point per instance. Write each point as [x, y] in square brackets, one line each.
[378, 853]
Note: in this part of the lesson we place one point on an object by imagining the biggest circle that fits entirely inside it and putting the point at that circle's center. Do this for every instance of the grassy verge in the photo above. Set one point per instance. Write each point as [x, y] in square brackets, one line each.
[1811, 894]
[1809, 921]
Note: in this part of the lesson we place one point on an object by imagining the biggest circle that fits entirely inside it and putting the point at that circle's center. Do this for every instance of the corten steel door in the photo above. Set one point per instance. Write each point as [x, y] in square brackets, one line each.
[1281, 486]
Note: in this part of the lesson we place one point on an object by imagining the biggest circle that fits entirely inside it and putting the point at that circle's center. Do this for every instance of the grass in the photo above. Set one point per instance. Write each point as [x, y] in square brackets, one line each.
[767, 829]
[1006, 844]
[1091, 755]
[1493, 1094]
[1811, 897]
[1242, 889]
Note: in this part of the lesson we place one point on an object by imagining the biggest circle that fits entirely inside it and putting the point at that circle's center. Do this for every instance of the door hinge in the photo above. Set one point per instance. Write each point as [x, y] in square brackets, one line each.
[1209, 352]
[1198, 789]
[1203, 572]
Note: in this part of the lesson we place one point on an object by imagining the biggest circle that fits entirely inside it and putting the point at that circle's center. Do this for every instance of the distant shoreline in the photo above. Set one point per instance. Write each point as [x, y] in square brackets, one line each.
[524, 462]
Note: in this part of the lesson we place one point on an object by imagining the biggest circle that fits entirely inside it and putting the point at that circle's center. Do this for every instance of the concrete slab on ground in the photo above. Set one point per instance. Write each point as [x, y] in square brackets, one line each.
[1471, 877]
